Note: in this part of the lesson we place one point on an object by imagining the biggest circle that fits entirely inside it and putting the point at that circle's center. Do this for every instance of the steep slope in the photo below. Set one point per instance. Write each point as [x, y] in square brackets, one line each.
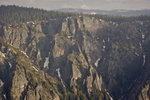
[21, 79]
[86, 55]
[40, 46]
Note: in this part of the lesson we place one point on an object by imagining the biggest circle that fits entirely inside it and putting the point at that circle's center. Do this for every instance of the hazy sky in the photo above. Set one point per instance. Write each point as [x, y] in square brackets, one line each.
[84, 4]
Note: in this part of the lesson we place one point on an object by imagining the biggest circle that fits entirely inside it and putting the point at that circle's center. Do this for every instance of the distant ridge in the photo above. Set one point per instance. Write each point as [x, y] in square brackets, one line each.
[120, 12]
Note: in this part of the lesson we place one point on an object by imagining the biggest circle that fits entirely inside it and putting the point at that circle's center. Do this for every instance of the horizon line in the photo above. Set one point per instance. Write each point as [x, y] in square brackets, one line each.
[72, 8]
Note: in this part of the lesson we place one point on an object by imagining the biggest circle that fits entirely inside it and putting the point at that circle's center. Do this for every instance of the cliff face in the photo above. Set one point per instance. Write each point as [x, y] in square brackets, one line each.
[83, 53]
[22, 79]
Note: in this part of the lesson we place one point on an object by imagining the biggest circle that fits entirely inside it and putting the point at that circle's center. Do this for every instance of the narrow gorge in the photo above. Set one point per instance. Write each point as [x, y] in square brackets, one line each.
[75, 57]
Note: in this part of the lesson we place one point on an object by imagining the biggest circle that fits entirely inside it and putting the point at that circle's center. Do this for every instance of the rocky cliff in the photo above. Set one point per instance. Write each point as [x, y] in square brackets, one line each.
[79, 57]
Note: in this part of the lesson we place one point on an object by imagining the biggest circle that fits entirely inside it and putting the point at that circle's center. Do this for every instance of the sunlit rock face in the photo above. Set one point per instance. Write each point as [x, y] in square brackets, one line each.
[85, 54]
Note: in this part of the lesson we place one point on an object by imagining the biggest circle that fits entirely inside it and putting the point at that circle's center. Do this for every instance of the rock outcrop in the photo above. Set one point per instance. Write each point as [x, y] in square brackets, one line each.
[79, 56]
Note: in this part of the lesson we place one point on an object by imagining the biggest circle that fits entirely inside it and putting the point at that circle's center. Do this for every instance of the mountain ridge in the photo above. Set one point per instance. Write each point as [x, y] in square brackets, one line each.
[115, 12]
